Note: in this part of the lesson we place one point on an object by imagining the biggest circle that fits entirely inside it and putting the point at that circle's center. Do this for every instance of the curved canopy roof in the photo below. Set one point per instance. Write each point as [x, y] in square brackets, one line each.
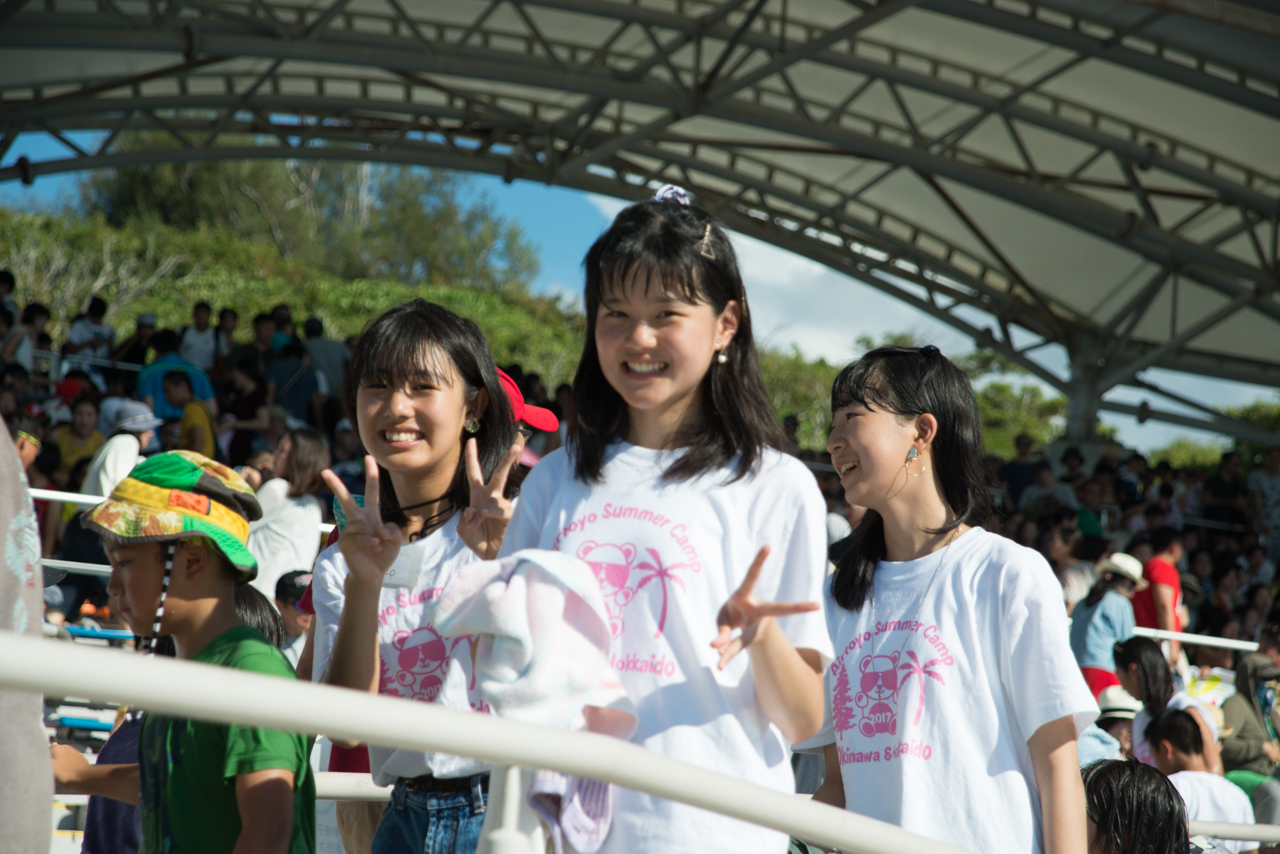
[1098, 174]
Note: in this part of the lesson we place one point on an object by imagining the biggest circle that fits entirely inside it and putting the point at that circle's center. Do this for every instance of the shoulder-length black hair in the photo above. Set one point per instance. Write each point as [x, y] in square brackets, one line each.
[308, 456]
[1154, 675]
[1135, 809]
[682, 247]
[421, 340]
[909, 382]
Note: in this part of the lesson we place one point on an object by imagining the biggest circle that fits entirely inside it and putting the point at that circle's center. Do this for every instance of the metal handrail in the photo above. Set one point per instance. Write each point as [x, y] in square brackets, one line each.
[78, 498]
[1196, 640]
[223, 695]
[86, 360]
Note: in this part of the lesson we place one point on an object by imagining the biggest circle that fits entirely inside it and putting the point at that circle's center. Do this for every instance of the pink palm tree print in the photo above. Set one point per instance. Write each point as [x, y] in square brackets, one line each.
[915, 668]
[662, 573]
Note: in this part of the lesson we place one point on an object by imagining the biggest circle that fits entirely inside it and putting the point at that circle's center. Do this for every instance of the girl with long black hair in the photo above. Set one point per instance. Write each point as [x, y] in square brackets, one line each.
[425, 396]
[955, 701]
[673, 491]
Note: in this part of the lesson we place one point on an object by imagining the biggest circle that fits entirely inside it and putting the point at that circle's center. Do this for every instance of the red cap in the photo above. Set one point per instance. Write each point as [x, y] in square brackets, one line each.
[68, 389]
[35, 410]
[535, 416]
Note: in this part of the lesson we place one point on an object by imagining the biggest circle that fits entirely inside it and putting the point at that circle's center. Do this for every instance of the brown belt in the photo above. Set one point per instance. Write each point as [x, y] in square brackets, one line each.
[428, 783]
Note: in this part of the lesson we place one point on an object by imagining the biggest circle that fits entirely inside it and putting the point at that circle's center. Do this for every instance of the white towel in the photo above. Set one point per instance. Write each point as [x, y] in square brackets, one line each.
[541, 656]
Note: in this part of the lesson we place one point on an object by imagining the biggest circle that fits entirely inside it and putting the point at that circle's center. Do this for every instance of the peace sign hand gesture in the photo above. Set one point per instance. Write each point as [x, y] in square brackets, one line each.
[745, 611]
[369, 546]
[484, 522]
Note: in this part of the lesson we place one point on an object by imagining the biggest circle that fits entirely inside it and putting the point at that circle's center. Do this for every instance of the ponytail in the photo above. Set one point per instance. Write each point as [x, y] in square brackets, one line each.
[1154, 676]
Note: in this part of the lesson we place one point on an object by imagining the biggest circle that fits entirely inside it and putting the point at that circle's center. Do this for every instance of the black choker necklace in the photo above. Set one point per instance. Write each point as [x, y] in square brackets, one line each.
[424, 503]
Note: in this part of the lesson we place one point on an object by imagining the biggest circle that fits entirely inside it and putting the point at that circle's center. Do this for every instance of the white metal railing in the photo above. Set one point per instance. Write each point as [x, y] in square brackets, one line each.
[217, 694]
[1196, 640]
[77, 498]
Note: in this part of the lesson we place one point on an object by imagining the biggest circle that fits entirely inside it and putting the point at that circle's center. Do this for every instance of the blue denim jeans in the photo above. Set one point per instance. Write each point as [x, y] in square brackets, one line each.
[431, 822]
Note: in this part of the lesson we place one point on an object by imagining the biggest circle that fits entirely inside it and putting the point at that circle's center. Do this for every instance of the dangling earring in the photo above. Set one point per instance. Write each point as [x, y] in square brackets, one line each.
[721, 358]
[913, 455]
[472, 425]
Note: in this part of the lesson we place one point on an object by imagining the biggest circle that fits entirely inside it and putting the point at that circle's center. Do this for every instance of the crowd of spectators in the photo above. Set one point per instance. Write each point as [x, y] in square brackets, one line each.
[88, 409]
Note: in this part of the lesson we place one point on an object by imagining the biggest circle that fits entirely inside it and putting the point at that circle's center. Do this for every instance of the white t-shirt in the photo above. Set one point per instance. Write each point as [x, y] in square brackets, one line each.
[86, 330]
[1180, 700]
[416, 662]
[199, 348]
[112, 464]
[936, 696]
[1212, 798]
[287, 537]
[667, 557]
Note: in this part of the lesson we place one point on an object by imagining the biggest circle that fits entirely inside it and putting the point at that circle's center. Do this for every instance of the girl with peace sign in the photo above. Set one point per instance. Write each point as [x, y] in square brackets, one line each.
[672, 490]
[428, 402]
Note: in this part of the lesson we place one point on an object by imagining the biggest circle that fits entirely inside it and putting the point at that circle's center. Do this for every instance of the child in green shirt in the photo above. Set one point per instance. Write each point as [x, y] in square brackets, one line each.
[175, 532]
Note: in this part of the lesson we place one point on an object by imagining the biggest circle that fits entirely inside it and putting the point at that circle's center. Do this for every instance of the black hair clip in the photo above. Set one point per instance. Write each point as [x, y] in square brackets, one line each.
[929, 350]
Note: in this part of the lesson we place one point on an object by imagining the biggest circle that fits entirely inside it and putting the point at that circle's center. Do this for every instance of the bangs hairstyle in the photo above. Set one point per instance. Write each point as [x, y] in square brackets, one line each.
[419, 341]
[671, 243]
[909, 382]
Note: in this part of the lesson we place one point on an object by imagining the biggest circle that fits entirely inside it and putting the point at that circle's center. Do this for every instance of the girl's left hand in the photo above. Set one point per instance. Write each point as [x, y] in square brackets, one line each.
[484, 523]
[745, 611]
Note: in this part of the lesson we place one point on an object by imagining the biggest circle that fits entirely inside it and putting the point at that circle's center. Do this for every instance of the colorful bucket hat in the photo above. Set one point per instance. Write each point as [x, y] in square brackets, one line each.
[182, 494]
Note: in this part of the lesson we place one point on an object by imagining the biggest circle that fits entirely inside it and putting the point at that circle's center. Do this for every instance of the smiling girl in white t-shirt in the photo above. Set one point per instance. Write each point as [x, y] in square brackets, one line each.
[672, 491]
[421, 388]
[954, 700]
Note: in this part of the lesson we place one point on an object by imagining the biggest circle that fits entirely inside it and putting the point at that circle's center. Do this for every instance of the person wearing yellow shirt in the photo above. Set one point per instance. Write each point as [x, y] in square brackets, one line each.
[78, 440]
[197, 430]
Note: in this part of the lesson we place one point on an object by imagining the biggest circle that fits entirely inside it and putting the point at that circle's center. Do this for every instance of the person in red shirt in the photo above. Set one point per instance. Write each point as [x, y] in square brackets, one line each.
[1157, 606]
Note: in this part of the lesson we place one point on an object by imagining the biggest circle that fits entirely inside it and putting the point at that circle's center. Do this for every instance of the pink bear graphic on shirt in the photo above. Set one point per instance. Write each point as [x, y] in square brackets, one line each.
[878, 694]
[612, 567]
[420, 663]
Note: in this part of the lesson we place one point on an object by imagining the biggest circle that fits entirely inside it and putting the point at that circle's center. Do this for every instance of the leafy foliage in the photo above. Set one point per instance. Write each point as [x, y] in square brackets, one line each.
[802, 388]
[348, 220]
[1187, 453]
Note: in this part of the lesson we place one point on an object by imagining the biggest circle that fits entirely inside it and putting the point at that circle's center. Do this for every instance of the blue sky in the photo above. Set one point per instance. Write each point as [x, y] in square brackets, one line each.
[795, 301]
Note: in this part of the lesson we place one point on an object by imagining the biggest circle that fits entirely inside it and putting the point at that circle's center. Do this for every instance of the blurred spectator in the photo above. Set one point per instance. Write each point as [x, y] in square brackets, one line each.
[117, 394]
[89, 334]
[1105, 475]
[257, 612]
[80, 439]
[286, 536]
[1258, 567]
[8, 402]
[1073, 468]
[1075, 576]
[1249, 752]
[151, 381]
[24, 338]
[1157, 606]
[1264, 495]
[292, 383]
[1129, 477]
[7, 284]
[198, 343]
[328, 357]
[1116, 710]
[348, 456]
[134, 348]
[1019, 472]
[1228, 582]
[1044, 494]
[1224, 498]
[196, 427]
[1104, 618]
[1179, 753]
[228, 321]
[247, 401]
[289, 589]
[285, 332]
[790, 425]
[132, 431]
[259, 349]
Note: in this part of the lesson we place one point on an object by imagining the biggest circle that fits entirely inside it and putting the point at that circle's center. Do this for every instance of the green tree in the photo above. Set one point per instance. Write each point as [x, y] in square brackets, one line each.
[802, 388]
[349, 220]
[1187, 453]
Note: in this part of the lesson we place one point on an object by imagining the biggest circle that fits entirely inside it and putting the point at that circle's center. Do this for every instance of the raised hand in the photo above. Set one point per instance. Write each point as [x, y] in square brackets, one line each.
[484, 522]
[369, 546]
[747, 612]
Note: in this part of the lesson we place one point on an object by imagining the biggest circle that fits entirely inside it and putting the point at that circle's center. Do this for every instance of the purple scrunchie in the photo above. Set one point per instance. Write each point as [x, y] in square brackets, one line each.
[672, 193]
